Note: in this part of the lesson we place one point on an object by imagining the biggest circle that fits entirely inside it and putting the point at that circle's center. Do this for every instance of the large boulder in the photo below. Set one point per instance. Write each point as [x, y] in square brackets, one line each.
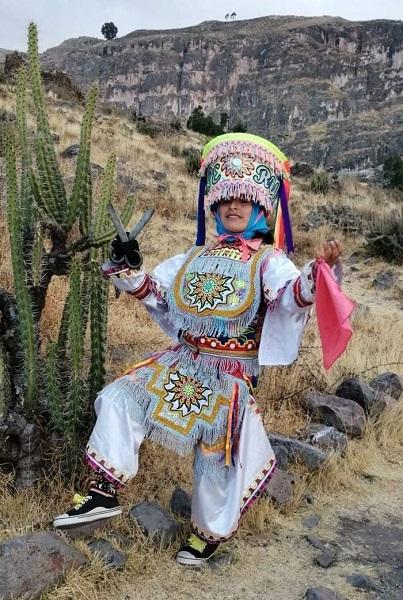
[344, 414]
[374, 402]
[389, 383]
[297, 450]
[31, 564]
[155, 521]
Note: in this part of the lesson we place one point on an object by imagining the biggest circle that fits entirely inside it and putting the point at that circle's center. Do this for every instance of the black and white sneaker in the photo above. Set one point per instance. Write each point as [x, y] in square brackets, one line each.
[195, 552]
[94, 507]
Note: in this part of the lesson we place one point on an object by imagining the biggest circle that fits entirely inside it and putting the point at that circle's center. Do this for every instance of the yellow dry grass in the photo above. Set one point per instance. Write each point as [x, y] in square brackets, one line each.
[375, 347]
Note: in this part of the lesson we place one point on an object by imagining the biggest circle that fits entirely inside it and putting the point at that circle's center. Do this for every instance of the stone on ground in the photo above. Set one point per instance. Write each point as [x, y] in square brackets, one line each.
[111, 557]
[321, 593]
[31, 564]
[311, 521]
[297, 450]
[374, 402]
[389, 383]
[346, 415]
[280, 487]
[180, 503]
[76, 532]
[362, 582]
[326, 559]
[155, 521]
[327, 438]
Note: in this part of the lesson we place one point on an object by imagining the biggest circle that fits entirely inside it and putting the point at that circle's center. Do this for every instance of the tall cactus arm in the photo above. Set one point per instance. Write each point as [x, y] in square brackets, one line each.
[52, 383]
[107, 194]
[27, 207]
[49, 154]
[76, 347]
[99, 318]
[80, 201]
[26, 319]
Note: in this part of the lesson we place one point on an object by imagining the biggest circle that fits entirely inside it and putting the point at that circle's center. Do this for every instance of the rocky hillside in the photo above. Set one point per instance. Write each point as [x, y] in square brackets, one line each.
[327, 90]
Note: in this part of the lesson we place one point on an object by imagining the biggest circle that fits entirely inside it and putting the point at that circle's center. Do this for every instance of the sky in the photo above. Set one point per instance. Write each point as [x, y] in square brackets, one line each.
[58, 20]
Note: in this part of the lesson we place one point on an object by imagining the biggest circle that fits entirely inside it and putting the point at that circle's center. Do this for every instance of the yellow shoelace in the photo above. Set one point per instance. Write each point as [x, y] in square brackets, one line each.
[196, 543]
[79, 500]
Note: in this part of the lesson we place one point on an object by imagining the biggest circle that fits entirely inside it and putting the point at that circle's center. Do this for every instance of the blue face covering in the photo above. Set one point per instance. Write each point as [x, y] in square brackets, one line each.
[256, 224]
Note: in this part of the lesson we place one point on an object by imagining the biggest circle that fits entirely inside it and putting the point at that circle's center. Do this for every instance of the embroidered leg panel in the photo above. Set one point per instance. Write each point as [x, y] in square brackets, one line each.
[115, 441]
[219, 500]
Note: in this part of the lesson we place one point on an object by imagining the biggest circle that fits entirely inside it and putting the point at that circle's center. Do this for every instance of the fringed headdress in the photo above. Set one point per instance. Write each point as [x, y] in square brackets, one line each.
[241, 165]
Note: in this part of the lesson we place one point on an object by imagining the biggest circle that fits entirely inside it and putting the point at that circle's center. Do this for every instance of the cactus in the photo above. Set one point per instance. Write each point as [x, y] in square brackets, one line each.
[39, 211]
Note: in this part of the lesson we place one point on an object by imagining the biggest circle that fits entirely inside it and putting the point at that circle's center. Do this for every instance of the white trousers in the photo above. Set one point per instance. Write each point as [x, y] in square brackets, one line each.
[220, 495]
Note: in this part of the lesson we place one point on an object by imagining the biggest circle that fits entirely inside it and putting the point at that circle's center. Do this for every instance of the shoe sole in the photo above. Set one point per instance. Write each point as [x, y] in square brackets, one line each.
[192, 561]
[83, 519]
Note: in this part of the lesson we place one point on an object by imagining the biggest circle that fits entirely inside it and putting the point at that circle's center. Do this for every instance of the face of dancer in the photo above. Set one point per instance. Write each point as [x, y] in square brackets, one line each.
[235, 214]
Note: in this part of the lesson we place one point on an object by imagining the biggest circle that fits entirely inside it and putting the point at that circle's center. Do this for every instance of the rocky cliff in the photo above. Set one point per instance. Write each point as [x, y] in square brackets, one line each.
[327, 90]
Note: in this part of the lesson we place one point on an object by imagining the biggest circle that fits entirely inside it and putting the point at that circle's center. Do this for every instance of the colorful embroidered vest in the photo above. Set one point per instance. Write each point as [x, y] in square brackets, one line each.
[215, 293]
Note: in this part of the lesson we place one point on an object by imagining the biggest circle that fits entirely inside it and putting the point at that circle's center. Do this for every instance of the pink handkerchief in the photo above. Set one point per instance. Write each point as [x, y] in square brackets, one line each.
[333, 310]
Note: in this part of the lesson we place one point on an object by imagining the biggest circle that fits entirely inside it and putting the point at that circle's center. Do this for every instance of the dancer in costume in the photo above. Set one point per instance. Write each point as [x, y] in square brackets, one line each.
[230, 306]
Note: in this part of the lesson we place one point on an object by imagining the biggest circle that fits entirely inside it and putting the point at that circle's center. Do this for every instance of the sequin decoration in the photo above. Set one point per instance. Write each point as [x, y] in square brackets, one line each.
[206, 291]
[186, 394]
[237, 166]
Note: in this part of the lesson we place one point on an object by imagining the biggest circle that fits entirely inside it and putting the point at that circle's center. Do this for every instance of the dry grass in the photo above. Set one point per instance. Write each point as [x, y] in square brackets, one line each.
[376, 346]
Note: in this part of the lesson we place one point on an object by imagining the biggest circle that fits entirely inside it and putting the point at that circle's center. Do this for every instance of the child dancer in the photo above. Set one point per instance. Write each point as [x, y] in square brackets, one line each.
[230, 306]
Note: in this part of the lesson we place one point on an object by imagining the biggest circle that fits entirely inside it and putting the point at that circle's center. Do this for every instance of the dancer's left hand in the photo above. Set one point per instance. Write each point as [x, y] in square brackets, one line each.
[330, 252]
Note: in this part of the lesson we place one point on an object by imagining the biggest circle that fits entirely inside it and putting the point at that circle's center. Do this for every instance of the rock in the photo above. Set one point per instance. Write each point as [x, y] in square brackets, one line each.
[155, 521]
[280, 487]
[309, 498]
[362, 582]
[312, 457]
[346, 415]
[281, 457]
[310, 522]
[389, 383]
[31, 564]
[327, 438]
[326, 559]
[222, 560]
[372, 401]
[321, 593]
[121, 539]
[70, 151]
[316, 542]
[181, 503]
[112, 557]
[384, 280]
[354, 268]
[77, 532]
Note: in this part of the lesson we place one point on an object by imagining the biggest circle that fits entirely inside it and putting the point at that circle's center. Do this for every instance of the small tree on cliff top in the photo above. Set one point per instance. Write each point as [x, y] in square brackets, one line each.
[109, 30]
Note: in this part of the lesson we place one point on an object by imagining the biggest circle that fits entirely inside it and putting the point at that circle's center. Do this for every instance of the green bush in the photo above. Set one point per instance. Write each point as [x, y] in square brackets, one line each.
[147, 128]
[201, 123]
[393, 172]
[385, 237]
[320, 183]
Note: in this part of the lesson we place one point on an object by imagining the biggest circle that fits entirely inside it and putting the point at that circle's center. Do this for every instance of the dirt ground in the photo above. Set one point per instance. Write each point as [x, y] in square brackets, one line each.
[364, 525]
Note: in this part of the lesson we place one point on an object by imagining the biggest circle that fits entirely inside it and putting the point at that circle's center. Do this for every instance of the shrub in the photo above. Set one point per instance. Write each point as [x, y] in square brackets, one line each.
[147, 128]
[385, 237]
[192, 160]
[201, 123]
[239, 127]
[109, 30]
[176, 124]
[393, 172]
[320, 183]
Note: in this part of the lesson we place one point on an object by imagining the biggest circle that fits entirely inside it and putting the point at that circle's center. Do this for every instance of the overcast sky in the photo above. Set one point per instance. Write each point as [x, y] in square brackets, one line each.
[61, 19]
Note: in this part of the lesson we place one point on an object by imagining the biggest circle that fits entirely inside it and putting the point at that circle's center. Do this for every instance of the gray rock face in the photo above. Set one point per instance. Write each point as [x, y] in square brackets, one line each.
[112, 557]
[155, 521]
[384, 280]
[280, 487]
[372, 401]
[312, 457]
[324, 87]
[389, 383]
[31, 564]
[346, 415]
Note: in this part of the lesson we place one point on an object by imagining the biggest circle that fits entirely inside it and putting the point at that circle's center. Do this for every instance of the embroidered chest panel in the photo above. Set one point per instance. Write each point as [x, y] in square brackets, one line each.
[214, 282]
